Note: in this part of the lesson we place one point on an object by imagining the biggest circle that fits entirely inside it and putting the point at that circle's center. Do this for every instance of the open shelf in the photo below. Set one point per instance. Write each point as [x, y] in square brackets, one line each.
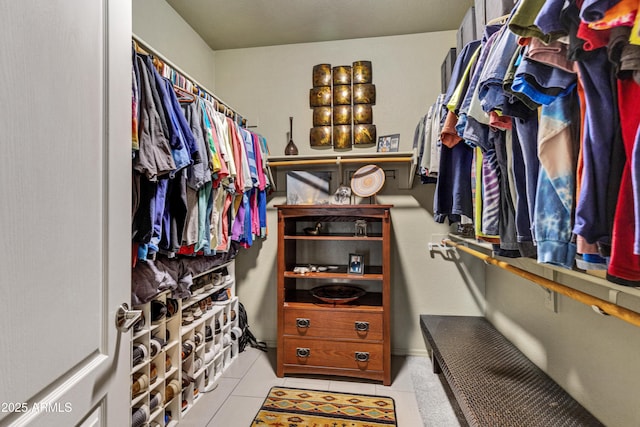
[370, 273]
[309, 329]
[340, 237]
[304, 297]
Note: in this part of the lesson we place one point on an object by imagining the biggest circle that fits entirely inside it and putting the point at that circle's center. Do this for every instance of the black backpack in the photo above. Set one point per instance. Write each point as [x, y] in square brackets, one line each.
[247, 337]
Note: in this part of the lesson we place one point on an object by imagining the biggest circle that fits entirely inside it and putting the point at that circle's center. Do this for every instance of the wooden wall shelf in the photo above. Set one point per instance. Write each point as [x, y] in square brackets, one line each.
[406, 160]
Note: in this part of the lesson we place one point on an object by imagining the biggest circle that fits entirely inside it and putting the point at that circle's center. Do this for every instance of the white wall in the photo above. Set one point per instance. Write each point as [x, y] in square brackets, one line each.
[269, 84]
[272, 83]
[594, 357]
[155, 22]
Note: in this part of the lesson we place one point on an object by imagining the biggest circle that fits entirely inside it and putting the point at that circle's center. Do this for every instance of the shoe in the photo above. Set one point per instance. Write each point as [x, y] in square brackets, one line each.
[208, 335]
[218, 281]
[140, 383]
[167, 364]
[233, 315]
[172, 307]
[171, 390]
[221, 296]
[187, 349]
[209, 303]
[197, 364]
[225, 320]
[196, 290]
[198, 338]
[153, 373]
[140, 323]
[155, 400]
[158, 310]
[140, 416]
[156, 344]
[139, 353]
[187, 317]
[209, 356]
[218, 330]
[208, 286]
[236, 332]
[197, 312]
[186, 380]
[203, 305]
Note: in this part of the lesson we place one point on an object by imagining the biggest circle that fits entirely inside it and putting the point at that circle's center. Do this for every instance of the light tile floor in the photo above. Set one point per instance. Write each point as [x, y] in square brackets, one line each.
[245, 384]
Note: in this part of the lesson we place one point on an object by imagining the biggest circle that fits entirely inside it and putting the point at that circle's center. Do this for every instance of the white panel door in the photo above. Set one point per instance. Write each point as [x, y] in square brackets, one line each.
[65, 129]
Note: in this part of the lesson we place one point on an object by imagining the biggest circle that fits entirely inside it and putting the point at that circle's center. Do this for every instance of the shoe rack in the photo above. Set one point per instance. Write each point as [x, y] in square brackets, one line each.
[182, 347]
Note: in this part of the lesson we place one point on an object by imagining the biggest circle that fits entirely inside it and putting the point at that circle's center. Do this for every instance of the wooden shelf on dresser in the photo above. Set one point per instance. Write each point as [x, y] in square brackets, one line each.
[316, 337]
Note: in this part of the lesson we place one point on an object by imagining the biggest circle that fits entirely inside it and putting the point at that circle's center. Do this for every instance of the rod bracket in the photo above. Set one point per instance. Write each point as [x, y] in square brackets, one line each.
[440, 247]
[613, 296]
[599, 310]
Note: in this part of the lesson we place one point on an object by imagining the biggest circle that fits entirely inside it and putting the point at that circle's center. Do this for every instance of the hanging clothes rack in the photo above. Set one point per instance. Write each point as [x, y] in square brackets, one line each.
[600, 305]
[188, 83]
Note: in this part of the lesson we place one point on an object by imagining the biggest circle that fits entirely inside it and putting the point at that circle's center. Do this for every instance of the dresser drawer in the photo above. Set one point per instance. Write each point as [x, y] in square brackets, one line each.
[335, 354]
[333, 323]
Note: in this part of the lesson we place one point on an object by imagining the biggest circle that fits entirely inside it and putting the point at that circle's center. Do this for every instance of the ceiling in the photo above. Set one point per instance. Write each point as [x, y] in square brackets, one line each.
[233, 24]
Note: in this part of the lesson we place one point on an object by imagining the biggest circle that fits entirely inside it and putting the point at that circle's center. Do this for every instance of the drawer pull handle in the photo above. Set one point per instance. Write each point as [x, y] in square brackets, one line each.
[362, 356]
[362, 326]
[302, 352]
[302, 322]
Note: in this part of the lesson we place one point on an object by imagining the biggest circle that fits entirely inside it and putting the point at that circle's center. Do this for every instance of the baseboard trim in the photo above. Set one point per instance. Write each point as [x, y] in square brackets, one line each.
[410, 352]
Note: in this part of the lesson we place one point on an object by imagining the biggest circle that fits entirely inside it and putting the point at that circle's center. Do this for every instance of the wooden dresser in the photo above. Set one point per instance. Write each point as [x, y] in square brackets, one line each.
[330, 336]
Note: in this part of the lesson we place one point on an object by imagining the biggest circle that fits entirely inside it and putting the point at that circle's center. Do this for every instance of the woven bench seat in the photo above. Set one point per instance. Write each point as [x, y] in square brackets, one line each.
[493, 382]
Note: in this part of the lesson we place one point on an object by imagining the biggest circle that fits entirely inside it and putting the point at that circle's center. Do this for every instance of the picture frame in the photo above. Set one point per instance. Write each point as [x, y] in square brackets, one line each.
[356, 264]
[388, 143]
[308, 188]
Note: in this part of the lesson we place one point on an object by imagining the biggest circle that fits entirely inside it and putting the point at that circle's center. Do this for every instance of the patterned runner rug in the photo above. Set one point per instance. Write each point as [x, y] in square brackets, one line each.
[295, 407]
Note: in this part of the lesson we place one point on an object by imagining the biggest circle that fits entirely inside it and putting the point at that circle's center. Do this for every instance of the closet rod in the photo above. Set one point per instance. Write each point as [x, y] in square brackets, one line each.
[340, 161]
[607, 307]
[162, 58]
